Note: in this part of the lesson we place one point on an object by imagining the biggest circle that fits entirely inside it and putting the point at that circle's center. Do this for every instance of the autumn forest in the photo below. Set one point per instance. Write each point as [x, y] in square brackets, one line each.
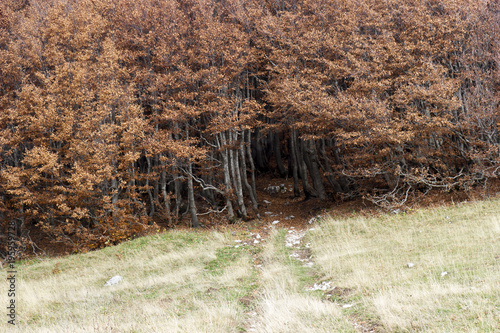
[115, 114]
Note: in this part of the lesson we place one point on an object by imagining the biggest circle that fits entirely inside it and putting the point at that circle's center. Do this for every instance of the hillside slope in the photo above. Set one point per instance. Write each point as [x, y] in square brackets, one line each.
[425, 271]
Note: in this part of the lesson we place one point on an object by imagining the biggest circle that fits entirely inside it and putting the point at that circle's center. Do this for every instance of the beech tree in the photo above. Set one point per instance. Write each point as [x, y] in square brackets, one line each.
[116, 114]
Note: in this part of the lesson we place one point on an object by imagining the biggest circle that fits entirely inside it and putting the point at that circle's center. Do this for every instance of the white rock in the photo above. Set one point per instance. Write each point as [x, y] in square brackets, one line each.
[444, 274]
[256, 242]
[114, 280]
[345, 306]
[276, 222]
[238, 240]
[410, 265]
[321, 286]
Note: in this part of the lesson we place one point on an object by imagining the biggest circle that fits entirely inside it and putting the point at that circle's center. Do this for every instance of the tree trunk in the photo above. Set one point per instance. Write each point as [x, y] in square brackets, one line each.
[328, 169]
[166, 197]
[295, 168]
[277, 151]
[238, 184]
[192, 204]
[244, 176]
[260, 159]
[150, 194]
[227, 177]
[301, 166]
[311, 160]
[250, 161]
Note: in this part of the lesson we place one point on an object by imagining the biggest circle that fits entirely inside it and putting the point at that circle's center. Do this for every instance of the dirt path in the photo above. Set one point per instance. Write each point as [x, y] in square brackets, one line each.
[279, 288]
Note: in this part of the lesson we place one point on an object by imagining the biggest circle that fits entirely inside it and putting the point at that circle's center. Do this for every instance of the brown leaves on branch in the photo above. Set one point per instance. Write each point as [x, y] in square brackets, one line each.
[116, 114]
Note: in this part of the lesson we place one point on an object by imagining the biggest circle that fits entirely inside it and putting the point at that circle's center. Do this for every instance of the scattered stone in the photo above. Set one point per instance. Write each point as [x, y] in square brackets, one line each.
[444, 274]
[276, 222]
[238, 240]
[345, 306]
[410, 265]
[320, 286]
[114, 280]
[294, 238]
[268, 213]
[275, 189]
[256, 242]
[315, 219]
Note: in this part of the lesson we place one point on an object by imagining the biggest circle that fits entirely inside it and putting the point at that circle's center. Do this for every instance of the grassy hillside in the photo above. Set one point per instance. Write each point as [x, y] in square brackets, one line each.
[429, 271]
[349, 275]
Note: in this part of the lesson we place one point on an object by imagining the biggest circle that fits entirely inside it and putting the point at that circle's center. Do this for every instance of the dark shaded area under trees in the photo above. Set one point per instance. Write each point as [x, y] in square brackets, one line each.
[116, 113]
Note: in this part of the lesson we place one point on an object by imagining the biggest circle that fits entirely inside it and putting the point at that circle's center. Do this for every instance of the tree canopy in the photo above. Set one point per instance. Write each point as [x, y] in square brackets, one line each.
[117, 113]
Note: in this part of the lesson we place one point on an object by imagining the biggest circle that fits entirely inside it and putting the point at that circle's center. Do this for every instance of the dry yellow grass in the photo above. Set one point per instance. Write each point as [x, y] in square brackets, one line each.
[166, 287]
[201, 282]
[284, 305]
[454, 285]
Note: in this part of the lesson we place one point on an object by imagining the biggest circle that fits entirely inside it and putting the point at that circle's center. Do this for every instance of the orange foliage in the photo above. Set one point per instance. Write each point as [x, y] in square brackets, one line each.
[119, 113]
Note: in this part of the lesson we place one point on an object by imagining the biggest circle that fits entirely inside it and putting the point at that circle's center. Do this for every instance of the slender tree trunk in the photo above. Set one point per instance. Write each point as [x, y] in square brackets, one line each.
[293, 153]
[328, 169]
[302, 168]
[250, 161]
[239, 188]
[227, 177]
[235, 171]
[166, 197]
[177, 182]
[192, 205]
[277, 151]
[244, 176]
[311, 161]
[259, 154]
[150, 193]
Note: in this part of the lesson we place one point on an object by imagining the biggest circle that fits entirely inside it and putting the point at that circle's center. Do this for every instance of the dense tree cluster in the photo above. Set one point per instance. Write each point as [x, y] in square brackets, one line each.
[115, 113]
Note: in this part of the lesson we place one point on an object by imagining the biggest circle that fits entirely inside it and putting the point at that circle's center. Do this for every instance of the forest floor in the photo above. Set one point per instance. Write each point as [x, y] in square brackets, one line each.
[422, 270]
